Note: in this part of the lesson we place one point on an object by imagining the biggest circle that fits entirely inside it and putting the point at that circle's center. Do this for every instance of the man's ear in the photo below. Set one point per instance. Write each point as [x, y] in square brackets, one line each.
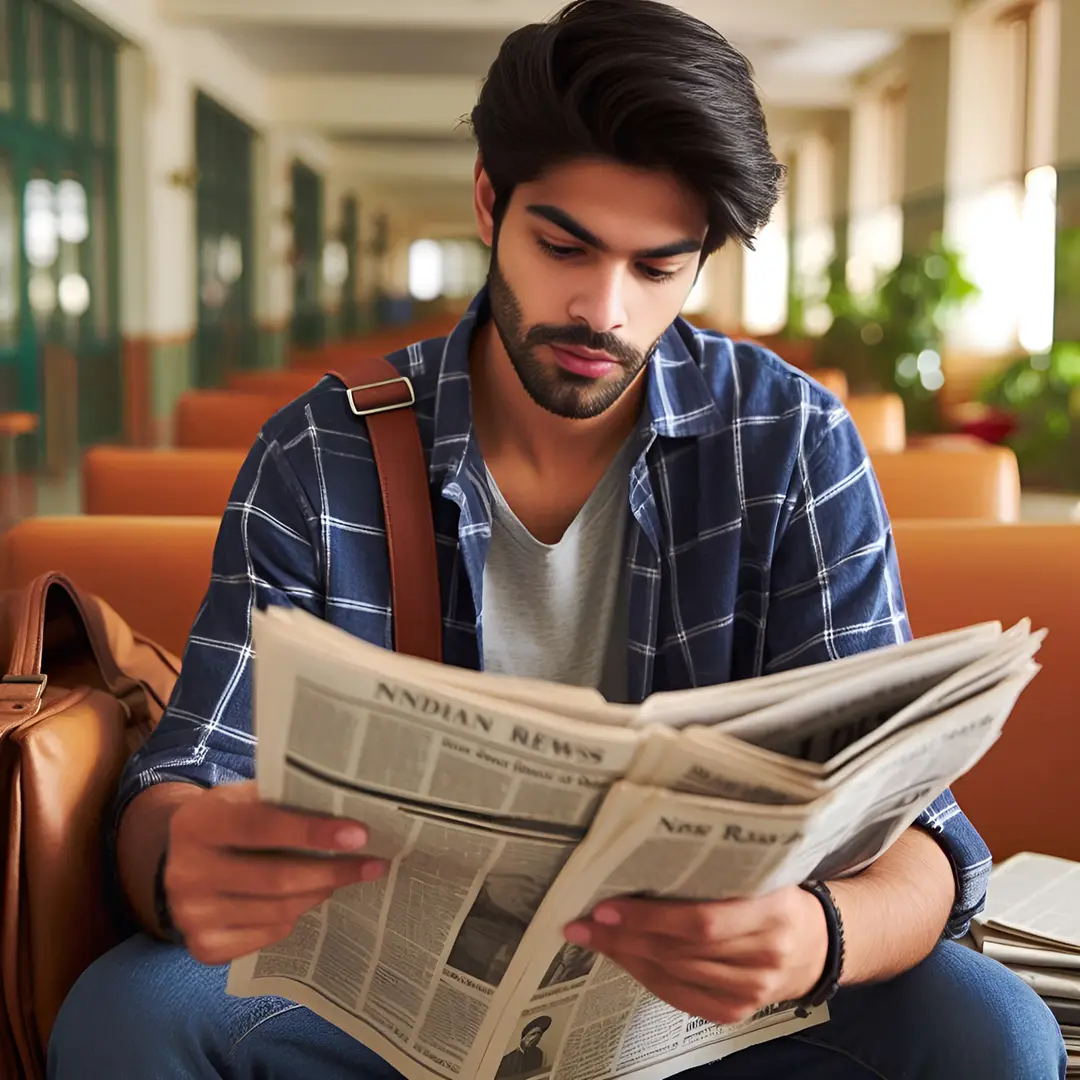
[483, 203]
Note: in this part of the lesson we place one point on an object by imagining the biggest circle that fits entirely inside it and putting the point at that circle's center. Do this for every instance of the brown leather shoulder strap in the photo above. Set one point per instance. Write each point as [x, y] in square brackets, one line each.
[384, 398]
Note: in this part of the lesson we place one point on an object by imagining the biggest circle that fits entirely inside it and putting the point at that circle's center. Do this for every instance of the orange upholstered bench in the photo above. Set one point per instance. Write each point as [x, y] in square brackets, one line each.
[162, 483]
[153, 571]
[1023, 795]
[941, 484]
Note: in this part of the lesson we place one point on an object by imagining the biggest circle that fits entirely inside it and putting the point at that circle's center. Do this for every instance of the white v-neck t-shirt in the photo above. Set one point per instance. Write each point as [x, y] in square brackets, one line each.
[560, 611]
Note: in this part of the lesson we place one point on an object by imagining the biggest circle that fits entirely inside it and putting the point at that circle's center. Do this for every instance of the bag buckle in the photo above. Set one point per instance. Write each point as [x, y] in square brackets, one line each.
[20, 701]
[382, 408]
[41, 680]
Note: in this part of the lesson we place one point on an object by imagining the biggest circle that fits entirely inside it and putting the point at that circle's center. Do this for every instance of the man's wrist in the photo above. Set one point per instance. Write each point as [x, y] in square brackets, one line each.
[831, 932]
[166, 927]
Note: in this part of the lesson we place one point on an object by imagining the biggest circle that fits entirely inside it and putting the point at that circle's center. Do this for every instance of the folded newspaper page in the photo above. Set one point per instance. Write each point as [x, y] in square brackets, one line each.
[1033, 904]
[508, 807]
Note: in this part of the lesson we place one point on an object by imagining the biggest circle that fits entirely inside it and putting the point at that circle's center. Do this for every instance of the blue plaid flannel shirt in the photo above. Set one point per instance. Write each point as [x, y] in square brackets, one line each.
[758, 541]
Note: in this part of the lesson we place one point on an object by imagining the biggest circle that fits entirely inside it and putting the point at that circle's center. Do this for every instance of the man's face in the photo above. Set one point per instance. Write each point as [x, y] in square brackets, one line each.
[530, 1038]
[591, 265]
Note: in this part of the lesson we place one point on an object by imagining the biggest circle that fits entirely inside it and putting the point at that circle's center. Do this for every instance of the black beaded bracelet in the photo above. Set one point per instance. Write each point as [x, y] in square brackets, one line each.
[829, 982]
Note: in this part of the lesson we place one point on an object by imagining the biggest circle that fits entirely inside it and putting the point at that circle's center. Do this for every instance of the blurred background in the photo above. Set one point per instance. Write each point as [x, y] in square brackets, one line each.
[195, 194]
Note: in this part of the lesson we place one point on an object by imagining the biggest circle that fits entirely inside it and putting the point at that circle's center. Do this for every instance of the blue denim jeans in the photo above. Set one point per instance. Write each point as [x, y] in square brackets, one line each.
[147, 1011]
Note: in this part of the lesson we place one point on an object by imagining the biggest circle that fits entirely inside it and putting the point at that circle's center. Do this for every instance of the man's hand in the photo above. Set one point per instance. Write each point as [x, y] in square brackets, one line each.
[721, 961]
[231, 888]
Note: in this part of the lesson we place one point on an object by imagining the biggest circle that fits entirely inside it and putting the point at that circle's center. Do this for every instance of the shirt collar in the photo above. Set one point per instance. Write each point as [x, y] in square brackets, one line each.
[679, 400]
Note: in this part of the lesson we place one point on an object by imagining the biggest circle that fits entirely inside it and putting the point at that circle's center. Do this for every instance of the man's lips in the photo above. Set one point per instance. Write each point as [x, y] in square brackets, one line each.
[584, 362]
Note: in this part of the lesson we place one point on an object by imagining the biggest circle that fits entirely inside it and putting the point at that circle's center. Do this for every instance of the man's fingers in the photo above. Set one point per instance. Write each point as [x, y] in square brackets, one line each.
[709, 1004]
[232, 816]
[263, 875]
[731, 982]
[687, 920]
[218, 946]
[769, 948]
[230, 913]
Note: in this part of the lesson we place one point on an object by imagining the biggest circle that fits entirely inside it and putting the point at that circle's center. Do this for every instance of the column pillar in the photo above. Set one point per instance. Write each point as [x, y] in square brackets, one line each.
[1066, 14]
[157, 230]
[273, 245]
[925, 139]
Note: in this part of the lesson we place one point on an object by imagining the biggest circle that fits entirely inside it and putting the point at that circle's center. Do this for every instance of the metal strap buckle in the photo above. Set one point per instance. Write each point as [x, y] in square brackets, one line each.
[39, 681]
[383, 408]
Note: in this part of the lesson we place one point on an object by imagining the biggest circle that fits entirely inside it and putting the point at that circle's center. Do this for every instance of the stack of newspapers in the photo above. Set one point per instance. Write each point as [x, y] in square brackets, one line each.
[509, 807]
[1031, 923]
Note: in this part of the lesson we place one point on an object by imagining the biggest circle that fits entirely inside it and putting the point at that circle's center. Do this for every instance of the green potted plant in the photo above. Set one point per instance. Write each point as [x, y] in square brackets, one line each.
[1041, 394]
[891, 339]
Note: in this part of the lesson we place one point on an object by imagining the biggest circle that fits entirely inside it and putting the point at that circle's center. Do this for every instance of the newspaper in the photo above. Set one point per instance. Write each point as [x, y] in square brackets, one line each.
[506, 808]
[1031, 923]
[1034, 900]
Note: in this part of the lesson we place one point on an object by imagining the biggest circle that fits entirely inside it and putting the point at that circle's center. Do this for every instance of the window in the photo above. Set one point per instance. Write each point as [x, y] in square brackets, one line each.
[1005, 219]
[100, 236]
[69, 110]
[425, 270]
[9, 257]
[893, 140]
[223, 221]
[876, 242]
[765, 277]
[35, 62]
[99, 95]
[7, 43]
[697, 302]
[308, 322]
[987, 227]
[454, 269]
[1038, 240]
[57, 208]
[876, 230]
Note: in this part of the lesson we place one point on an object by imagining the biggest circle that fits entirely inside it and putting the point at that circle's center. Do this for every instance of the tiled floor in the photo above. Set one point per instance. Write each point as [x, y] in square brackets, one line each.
[1043, 506]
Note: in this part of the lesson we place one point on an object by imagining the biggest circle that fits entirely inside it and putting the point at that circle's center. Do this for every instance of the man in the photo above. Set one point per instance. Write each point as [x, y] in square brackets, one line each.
[528, 1059]
[621, 502]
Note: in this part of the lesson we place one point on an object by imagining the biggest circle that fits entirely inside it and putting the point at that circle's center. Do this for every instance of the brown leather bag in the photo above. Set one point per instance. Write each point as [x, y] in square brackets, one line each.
[83, 691]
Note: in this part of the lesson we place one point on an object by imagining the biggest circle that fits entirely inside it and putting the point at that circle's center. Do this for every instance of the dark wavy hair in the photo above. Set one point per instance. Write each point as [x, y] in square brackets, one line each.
[639, 82]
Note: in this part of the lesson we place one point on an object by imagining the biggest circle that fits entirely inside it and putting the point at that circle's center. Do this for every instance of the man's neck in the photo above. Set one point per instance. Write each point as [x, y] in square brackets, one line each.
[512, 428]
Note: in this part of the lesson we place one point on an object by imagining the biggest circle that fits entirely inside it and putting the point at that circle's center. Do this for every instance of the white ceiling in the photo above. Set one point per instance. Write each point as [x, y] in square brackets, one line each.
[736, 17]
[382, 50]
[391, 79]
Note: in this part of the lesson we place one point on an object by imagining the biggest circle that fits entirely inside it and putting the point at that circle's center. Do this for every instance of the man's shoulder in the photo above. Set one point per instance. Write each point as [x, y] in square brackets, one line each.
[323, 411]
[748, 379]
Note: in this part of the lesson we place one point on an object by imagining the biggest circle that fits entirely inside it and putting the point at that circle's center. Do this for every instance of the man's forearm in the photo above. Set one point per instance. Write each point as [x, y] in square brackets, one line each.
[895, 910]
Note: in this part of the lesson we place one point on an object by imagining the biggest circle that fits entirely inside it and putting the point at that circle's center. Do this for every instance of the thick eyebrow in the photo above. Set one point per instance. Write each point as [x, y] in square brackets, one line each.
[565, 222]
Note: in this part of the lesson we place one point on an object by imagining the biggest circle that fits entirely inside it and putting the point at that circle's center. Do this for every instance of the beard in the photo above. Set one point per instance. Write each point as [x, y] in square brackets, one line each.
[561, 392]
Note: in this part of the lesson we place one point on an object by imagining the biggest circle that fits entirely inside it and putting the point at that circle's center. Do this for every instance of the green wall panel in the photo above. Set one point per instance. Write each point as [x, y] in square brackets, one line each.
[59, 276]
[170, 376]
[273, 347]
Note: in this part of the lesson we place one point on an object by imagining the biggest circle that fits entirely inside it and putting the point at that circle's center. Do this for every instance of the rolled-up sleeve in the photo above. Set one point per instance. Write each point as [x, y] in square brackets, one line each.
[266, 553]
[836, 590]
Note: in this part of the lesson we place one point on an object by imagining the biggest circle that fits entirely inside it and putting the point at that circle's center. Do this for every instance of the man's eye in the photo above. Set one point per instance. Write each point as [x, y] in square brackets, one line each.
[556, 251]
[655, 274]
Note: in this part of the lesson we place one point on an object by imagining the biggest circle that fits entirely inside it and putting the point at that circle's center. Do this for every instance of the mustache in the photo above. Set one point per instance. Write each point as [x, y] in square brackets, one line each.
[584, 338]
